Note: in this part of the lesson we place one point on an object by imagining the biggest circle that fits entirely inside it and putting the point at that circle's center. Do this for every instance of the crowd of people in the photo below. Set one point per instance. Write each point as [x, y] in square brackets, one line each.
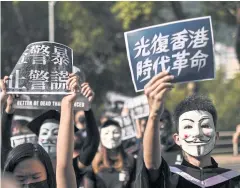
[70, 149]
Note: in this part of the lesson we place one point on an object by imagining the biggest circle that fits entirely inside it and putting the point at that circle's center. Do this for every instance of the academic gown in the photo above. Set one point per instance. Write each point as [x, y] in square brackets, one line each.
[187, 176]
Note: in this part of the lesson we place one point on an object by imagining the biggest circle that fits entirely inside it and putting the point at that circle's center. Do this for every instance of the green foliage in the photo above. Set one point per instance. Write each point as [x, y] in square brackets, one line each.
[224, 94]
[95, 32]
[128, 12]
[226, 98]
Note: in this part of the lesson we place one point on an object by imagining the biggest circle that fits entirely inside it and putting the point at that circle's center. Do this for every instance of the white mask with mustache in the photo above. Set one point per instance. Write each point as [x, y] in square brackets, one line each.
[48, 137]
[111, 136]
[197, 134]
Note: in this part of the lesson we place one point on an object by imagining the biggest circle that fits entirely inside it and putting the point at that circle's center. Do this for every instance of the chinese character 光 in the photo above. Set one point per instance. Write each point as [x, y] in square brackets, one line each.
[141, 46]
[199, 60]
[164, 60]
[60, 56]
[179, 40]
[38, 79]
[181, 61]
[160, 44]
[199, 38]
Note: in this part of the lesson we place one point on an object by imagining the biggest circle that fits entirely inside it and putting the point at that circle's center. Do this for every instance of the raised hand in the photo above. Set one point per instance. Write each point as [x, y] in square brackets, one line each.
[73, 85]
[156, 89]
[87, 91]
[3, 95]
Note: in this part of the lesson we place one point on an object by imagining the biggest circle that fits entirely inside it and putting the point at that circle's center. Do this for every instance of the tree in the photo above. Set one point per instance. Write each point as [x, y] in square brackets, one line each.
[95, 31]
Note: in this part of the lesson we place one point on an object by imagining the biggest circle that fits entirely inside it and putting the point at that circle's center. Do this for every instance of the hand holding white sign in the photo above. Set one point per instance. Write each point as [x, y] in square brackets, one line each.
[73, 85]
[87, 91]
[3, 95]
[6, 97]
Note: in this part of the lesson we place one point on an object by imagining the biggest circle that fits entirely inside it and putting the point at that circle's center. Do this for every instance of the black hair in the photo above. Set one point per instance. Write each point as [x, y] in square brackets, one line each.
[36, 123]
[195, 102]
[110, 122]
[78, 140]
[167, 118]
[27, 151]
[51, 121]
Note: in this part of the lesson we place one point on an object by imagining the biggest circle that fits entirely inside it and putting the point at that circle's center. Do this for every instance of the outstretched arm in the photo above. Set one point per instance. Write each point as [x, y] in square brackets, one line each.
[65, 174]
[91, 142]
[6, 119]
[155, 91]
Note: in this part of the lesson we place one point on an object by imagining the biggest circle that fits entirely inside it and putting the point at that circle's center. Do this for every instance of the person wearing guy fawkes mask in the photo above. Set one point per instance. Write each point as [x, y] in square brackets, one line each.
[112, 166]
[196, 120]
[46, 127]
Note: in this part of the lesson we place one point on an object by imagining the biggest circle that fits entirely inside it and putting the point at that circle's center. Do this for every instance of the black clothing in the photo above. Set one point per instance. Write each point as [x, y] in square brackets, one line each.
[187, 175]
[6, 134]
[91, 142]
[111, 178]
[80, 173]
[171, 152]
[88, 149]
[107, 178]
[41, 184]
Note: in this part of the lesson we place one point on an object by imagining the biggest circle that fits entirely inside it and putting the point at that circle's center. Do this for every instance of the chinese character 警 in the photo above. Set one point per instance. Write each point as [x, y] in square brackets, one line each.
[40, 50]
[179, 40]
[159, 44]
[199, 60]
[181, 61]
[60, 56]
[141, 46]
[38, 79]
[199, 38]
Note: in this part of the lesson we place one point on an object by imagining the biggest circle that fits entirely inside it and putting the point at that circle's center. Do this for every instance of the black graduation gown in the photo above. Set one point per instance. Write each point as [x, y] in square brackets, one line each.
[187, 175]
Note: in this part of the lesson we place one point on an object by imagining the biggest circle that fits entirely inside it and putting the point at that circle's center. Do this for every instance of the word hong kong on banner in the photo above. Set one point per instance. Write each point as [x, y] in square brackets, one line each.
[138, 106]
[127, 126]
[43, 68]
[183, 48]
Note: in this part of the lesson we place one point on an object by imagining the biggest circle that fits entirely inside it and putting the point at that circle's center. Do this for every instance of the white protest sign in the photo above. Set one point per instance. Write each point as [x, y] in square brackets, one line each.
[138, 106]
[127, 126]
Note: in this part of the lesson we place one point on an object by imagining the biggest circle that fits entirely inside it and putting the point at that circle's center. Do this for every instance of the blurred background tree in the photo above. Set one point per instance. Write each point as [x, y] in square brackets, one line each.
[95, 31]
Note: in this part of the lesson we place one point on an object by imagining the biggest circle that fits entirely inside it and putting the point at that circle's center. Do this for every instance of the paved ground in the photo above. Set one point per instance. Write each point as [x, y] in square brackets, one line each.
[228, 161]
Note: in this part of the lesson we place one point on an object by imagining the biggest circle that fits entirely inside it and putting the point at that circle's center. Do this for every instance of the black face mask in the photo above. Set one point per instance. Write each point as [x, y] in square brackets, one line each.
[81, 119]
[41, 184]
